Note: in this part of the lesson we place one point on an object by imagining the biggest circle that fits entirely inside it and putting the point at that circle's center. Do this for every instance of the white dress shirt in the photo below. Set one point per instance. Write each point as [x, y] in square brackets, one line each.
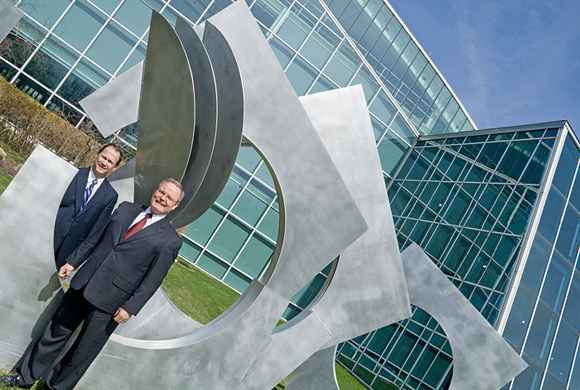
[154, 218]
[90, 179]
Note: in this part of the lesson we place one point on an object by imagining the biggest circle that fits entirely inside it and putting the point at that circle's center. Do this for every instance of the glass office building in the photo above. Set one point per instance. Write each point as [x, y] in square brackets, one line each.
[472, 200]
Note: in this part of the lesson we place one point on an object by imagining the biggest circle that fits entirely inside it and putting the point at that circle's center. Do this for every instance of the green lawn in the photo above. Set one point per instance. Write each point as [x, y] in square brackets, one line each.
[12, 154]
[4, 181]
[37, 386]
[198, 295]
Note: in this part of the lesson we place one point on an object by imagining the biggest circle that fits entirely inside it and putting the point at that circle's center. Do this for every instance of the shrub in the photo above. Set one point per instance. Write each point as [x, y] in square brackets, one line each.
[24, 123]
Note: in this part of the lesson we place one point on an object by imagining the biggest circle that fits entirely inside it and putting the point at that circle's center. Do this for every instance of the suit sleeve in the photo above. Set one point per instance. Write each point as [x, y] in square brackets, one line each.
[85, 249]
[154, 276]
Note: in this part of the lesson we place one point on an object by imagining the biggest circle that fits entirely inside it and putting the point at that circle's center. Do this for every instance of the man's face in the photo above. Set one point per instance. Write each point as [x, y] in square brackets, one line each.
[105, 162]
[165, 198]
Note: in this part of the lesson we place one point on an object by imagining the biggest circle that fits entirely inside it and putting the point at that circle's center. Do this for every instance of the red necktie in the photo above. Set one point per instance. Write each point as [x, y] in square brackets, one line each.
[137, 227]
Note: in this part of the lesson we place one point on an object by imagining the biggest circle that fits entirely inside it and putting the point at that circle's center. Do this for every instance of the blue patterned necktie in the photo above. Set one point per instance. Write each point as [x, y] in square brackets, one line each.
[88, 192]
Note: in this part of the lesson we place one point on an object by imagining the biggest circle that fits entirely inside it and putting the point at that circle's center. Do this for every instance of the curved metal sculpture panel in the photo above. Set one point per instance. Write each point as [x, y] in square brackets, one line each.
[316, 373]
[165, 130]
[482, 359]
[9, 17]
[228, 135]
[29, 283]
[205, 116]
[367, 288]
[313, 231]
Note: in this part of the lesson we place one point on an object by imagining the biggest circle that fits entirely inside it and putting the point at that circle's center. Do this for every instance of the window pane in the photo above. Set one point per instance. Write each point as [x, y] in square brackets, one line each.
[212, 265]
[254, 256]
[269, 224]
[556, 282]
[250, 206]
[519, 318]
[301, 75]
[551, 215]
[237, 280]
[571, 312]
[203, 227]
[80, 24]
[134, 15]
[391, 153]
[46, 14]
[229, 239]
[561, 358]
[536, 264]
[541, 334]
[111, 47]
[566, 166]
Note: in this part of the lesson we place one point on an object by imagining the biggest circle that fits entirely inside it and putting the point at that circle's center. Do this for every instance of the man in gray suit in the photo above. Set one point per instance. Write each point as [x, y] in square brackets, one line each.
[124, 264]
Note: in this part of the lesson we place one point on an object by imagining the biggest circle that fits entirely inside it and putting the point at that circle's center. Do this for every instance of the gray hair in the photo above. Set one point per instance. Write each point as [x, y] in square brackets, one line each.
[176, 183]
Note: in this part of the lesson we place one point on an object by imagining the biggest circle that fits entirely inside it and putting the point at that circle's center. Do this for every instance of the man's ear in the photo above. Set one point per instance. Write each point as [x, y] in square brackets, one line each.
[176, 206]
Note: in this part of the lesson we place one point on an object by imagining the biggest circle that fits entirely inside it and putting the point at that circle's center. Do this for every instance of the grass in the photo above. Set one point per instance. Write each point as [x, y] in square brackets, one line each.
[198, 295]
[346, 381]
[4, 181]
[12, 154]
[37, 386]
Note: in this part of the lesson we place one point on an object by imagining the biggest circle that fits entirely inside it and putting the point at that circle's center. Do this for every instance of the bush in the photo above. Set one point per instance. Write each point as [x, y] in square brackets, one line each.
[24, 123]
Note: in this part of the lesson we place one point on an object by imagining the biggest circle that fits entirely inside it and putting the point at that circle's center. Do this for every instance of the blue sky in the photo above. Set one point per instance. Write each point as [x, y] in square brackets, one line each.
[510, 62]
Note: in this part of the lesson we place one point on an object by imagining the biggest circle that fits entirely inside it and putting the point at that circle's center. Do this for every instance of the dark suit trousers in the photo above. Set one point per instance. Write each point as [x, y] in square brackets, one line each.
[96, 330]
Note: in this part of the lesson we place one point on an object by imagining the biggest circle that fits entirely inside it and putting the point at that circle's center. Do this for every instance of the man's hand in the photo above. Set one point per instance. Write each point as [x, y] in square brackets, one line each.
[121, 316]
[65, 270]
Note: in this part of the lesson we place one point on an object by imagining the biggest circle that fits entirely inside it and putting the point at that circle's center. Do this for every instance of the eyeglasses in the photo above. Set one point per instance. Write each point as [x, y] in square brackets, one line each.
[165, 195]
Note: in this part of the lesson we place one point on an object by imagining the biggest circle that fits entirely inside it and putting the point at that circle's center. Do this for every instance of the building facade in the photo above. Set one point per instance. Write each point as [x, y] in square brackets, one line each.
[472, 200]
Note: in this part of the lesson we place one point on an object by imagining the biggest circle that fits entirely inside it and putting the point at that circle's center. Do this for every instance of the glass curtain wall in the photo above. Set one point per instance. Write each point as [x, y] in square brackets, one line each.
[544, 323]
[466, 200]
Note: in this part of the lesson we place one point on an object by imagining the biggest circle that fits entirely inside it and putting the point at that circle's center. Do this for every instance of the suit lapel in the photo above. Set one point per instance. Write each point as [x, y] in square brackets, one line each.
[150, 230]
[80, 187]
[129, 218]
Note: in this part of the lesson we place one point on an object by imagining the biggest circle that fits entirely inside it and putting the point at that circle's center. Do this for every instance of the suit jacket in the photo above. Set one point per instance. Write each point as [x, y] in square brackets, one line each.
[73, 226]
[119, 273]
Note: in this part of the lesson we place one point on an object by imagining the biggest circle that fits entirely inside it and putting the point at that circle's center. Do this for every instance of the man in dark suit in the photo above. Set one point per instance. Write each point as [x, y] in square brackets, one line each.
[86, 204]
[123, 265]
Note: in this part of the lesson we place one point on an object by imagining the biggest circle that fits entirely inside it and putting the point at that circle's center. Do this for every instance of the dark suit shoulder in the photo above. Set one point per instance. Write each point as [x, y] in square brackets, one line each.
[109, 188]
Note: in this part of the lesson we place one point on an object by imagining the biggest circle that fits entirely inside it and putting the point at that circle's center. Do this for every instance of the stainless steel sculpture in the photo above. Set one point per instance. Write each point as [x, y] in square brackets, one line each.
[316, 373]
[347, 307]
[482, 359]
[29, 283]
[9, 16]
[333, 204]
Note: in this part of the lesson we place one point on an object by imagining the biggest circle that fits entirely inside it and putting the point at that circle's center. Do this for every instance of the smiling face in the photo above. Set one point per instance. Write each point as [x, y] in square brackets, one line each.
[105, 162]
[165, 198]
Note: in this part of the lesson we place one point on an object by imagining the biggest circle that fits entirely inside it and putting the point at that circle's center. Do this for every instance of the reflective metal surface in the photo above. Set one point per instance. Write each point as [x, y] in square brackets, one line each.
[230, 118]
[367, 288]
[116, 105]
[166, 115]
[482, 359]
[316, 373]
[205, 116]
[9, 16]
[30, 288]
[313, 230]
